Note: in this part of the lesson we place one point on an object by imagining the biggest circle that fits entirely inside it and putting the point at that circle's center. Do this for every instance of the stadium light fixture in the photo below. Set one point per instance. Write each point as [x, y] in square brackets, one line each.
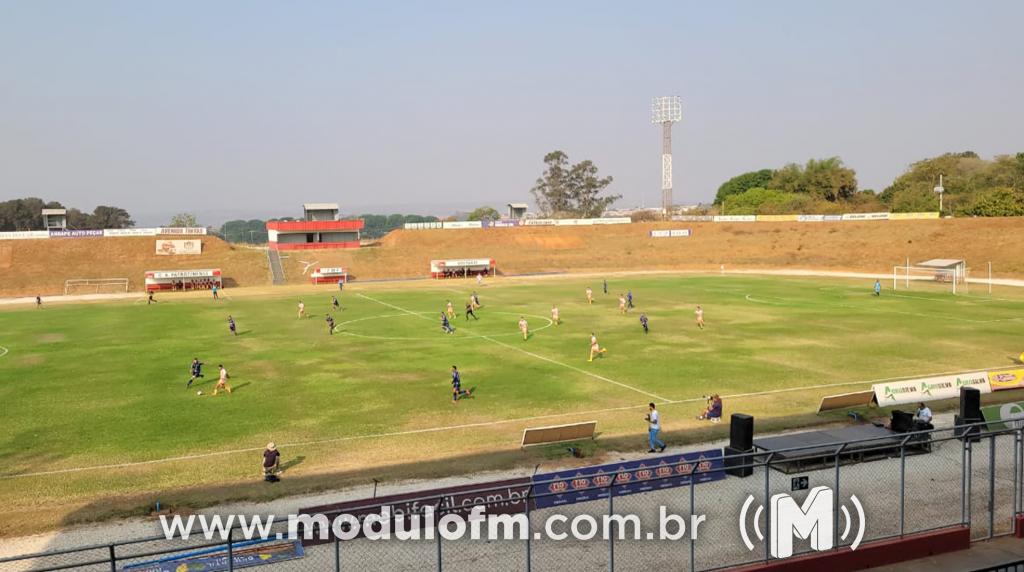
[940, 189]
[666, 110]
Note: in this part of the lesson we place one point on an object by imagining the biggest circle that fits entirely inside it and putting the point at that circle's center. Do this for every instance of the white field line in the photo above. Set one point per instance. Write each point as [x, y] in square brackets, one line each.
[4, 351]
[788, 302]
[473, 425]
[537, 356]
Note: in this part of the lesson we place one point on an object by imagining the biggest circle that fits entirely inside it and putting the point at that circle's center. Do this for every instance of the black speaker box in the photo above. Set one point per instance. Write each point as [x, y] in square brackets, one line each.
[738, 463]
[741, 432]
[961, 432]
[901, 422]
[970, 403]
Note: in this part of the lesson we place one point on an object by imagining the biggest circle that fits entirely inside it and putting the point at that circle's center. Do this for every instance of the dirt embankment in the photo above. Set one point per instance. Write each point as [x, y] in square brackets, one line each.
[30, 267]
[869, 246]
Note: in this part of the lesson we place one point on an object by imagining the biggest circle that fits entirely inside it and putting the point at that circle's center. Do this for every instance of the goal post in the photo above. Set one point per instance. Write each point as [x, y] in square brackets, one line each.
[95, 286]
[954, 278]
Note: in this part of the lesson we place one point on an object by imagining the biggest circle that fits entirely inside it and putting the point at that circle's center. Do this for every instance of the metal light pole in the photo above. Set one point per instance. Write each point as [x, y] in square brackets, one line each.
[939, 189]
[666, 110]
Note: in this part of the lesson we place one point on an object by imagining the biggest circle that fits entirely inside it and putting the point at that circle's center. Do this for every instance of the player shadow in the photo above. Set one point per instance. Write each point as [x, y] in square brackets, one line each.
[240, 386]
[291, 463]
[244, 332]
[1015, 360]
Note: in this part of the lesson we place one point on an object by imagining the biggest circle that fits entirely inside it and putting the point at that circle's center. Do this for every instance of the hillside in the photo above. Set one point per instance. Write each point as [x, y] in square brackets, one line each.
[869, 246]
[30, 267]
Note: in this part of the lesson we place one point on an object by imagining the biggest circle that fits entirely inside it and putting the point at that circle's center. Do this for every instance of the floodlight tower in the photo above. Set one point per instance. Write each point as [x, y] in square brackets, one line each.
[939, 190]
[666, 110]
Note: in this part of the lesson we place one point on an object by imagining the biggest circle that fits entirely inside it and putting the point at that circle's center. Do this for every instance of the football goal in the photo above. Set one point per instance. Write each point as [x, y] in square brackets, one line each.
[95, 286]
[948, 273]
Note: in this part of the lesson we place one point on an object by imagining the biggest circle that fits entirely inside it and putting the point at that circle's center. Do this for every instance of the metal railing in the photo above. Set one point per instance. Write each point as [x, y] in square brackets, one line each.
[908, 484]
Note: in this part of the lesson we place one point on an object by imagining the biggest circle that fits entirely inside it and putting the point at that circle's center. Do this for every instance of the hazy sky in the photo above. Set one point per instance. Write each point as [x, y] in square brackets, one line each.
[236, 109]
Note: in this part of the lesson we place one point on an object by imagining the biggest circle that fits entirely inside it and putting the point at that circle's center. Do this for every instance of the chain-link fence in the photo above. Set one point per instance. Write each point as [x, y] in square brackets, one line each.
[779, 504]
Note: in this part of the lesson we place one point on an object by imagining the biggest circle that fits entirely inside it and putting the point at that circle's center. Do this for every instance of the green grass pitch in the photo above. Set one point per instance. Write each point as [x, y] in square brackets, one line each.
[104, 383]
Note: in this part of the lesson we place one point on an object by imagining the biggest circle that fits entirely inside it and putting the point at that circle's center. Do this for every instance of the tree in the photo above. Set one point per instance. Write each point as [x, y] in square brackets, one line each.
[571, 190]
[484, 213]
[185, 220]
[77, 219]
[250, 231]
[743, 183]
[826, 179]
[1002, 201]
[110, 217]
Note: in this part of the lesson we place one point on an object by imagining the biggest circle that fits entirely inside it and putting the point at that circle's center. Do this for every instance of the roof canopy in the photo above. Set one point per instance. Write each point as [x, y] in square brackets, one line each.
[320, 206]
[941, 263]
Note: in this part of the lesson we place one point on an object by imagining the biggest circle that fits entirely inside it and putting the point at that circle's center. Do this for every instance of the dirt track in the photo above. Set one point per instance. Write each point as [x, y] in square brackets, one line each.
[28, 267]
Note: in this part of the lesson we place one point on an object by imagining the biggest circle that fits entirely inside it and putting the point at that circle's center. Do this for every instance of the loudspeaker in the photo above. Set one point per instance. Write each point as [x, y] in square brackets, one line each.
[741, 432]
[970, 403]
[901, 422]
[738, 463]
[961, 432]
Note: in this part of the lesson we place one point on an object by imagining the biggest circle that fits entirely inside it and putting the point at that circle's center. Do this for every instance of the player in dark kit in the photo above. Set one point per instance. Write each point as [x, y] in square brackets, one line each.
[150, 299]
[196, 368]
[629, 299]
[643, 322]
[446, 325]
[232, 326]
[335, 303]
[469, 312]
[457, 391]
[330, 324]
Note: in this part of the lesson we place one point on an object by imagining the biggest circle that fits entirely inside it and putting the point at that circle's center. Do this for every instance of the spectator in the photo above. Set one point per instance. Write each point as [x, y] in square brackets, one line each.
[653, 428]
[713, 412]
[923, 418]
[271, 463]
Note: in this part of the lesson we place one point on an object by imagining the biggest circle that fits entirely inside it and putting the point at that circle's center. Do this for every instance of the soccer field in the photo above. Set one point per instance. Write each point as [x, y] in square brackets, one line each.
[88, 386]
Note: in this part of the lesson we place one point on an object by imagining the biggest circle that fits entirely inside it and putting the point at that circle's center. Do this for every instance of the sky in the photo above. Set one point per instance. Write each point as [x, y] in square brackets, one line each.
[243, 109]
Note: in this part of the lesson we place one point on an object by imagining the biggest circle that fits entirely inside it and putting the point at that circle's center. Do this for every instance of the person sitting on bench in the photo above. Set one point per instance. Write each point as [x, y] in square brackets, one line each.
[923, 418]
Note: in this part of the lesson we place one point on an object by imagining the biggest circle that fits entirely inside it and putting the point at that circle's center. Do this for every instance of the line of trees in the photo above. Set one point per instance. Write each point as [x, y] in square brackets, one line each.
[26, 214]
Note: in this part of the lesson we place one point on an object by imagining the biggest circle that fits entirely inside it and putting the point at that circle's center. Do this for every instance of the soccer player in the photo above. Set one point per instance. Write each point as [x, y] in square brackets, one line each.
[474, 301]
[595, 349]
[622, 304]
[699, 312]
[643, 322]
[629, 299]
[524, 327]
[457, 391]
[590, 295]
[554, 315]
[231, 326]
[302, 310]
[446, 325]
[39, 301]
[341, 285]
[605, 283]
[222, 383]
[214, 290]
[334, 302]
[479, 279]
[150, 299]
[196, 369]
[469, 311]
[330, 325]
[450, 310]
[878, 288]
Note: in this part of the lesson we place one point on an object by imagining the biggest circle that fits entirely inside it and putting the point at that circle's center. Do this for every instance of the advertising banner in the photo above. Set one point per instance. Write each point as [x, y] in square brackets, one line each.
[460, 224]
[1004, 416]
[539, 222]
[130, 232]
[216, 560]
[181, 230]
[929, 388]
[810, 218]
[175, 274]
[630, 477]
[24, 234]
[1006, 379]
[500, 223]
[611, 220]
[693, 218]
[912, 216]
[175, 247]
[573, 221]
[420, 225]
[866, 216]
[777, 217]
[832, 217]
[75, 233]
[670, 233]
[735, 218]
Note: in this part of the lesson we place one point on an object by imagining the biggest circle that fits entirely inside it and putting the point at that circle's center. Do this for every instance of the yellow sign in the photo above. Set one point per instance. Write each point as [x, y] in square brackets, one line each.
[776, 217]
[912, 216]
[1006, 379]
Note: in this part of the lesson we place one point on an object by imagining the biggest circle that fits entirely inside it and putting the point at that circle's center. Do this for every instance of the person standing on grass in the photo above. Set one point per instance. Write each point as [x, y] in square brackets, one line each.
[271, 465]
[605, 284]
[222, 382]
[341, 285]
[150, 299]
[457, 391]
[214, 290]
[446, 326]
[196, 369]
[232, 326]
[330, 325]
[643, 321]
[629, 299]
[479, 279]
[595, 349]
[334, 303]
[302, 310]
[590, 295]
[39, 301]
[524, 327]
[622, 304]
[554, 315]
[450, 310]
[653, 428]
[878, 288]
[469, 311]
[699, 313]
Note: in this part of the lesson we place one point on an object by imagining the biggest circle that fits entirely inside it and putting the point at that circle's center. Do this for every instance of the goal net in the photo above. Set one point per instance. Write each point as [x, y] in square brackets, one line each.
[95, 286]
[907, 277]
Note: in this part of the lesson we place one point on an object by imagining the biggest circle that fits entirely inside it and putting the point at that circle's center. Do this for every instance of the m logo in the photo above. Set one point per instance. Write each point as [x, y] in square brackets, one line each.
[813, 520]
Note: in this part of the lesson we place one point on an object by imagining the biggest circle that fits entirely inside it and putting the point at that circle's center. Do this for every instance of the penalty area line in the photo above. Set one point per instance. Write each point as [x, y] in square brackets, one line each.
[4, 351]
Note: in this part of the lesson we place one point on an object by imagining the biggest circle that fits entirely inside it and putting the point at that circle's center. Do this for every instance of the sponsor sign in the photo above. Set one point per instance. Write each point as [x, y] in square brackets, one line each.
[499, 497]
[500, 223]
[461, 262]
[181, 230]
[912, 216]
[735, 218]
[421, 225]
[810, 218]
[174, 274]
[242, 556]
[777, 217]
[929, 388]
[24, 234]
[572, 221]
[833, 217]
[175, 247]
[331, 270]
[693, 218]
[1004, 416]
[539, 222]
[130, 232]
[610, 220]
[75, 233]
[1006, 379]
[670, 233]
[866, 216]
[462, 224]
[593, 483]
